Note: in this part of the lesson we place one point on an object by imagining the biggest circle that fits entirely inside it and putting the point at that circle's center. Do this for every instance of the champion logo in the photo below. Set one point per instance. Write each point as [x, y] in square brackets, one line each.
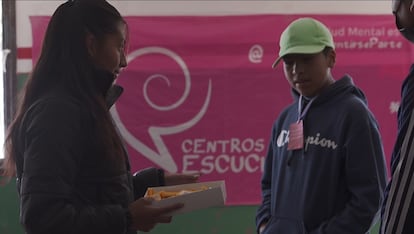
[316, 140]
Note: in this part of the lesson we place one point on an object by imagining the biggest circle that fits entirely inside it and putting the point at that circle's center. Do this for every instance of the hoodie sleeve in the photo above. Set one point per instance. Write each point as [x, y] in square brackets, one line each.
[365, 173]
[53, 136]
[263, 212]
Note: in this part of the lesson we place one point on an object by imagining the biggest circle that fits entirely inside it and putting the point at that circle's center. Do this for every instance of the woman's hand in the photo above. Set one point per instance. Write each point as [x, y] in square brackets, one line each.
[175, 179]
[144, 217]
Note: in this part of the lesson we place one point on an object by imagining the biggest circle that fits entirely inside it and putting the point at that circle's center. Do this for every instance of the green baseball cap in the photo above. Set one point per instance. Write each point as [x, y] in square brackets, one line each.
[304, 36]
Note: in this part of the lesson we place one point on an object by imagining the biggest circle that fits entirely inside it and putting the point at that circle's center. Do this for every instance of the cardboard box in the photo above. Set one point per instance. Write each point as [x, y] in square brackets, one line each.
[213, 195]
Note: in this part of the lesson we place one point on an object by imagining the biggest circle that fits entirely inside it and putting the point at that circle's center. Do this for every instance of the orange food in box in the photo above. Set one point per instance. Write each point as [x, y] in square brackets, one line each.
[166, 194]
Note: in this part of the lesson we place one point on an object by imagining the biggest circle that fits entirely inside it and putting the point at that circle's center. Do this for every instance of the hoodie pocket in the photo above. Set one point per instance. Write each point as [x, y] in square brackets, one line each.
[283, 225]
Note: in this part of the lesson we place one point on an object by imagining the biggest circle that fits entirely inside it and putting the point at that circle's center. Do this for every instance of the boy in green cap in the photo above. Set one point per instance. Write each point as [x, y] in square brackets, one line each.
[325, 168]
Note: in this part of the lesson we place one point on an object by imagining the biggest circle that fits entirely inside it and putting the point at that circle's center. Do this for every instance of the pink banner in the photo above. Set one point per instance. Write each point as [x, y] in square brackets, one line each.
[200, 94]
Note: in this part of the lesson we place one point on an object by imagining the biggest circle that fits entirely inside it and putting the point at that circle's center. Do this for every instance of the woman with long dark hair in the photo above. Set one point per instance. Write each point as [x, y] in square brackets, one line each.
[73, 173]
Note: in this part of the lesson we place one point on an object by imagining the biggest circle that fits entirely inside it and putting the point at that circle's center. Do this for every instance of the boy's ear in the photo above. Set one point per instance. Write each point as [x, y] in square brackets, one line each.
[412, 7]
[331, 58]
[90, 44]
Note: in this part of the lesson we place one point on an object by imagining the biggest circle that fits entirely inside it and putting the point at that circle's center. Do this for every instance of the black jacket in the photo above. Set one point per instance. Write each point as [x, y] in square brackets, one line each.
[398, 207]
[64, 183]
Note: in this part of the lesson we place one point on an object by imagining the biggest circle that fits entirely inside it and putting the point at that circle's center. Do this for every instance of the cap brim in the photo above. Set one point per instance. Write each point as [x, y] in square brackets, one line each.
[276, 62]
[299, 50]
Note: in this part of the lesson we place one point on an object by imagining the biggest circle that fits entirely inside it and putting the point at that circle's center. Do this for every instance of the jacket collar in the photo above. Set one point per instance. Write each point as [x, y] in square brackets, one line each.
[112, 95]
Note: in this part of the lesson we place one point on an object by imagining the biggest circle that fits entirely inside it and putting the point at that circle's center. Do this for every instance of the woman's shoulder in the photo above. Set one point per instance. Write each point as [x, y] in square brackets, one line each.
[58, 102]
[56, 107]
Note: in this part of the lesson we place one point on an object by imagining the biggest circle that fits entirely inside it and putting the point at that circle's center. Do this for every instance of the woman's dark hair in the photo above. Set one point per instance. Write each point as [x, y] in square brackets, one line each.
[64, 61]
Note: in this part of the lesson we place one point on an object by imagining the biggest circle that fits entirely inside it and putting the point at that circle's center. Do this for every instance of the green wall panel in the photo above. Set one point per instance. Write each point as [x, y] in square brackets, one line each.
[227, 220]
[9, 209]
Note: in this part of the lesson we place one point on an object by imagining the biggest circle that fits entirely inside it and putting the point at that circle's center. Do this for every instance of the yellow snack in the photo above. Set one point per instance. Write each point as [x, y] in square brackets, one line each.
[167, 194]
[150, 192]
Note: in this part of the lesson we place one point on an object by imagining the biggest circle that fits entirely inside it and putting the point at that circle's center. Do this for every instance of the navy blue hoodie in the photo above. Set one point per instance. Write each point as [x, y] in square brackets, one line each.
[334, 184]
